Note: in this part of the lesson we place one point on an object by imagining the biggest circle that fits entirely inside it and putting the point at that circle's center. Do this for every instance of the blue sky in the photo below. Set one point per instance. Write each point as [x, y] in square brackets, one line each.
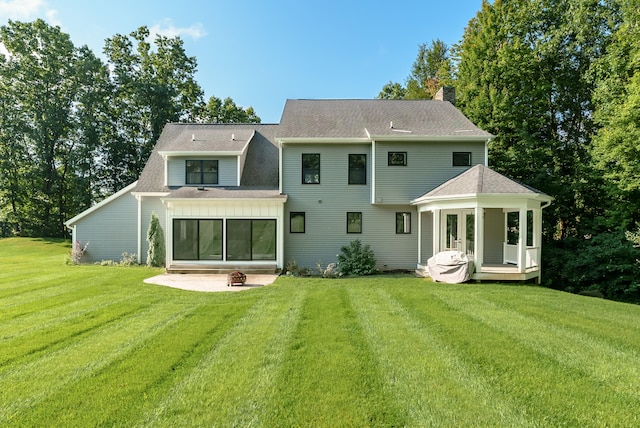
[262, 52]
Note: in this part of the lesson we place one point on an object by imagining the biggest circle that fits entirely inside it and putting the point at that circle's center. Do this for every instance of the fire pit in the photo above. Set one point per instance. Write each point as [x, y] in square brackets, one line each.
[236, 278]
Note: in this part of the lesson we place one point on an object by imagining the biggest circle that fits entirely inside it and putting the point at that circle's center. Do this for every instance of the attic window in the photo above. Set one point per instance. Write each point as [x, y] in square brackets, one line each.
[397, 159]
[461, 158]
[202, 172]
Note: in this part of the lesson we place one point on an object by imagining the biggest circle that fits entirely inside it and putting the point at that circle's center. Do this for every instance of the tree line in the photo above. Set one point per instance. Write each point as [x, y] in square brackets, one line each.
[558, 83]
[75, 128]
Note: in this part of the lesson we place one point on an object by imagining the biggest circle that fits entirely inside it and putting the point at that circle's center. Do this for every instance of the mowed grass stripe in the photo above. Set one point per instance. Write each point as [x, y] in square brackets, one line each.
[58, 331]
[574, 348]
[614, 322]
[531, 377]
[331, 376]
[230, 381]
[134, 382]
[422, 371]
[32, 382]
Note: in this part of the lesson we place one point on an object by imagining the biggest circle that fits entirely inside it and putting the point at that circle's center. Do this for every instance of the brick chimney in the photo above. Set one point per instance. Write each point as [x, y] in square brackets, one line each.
[446, 93]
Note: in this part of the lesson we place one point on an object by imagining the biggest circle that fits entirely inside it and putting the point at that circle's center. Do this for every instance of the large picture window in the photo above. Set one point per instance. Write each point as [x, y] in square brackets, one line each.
[197, 239]
[202, 172]
[358, 169]
[354, 222]
[311, 168]
[251, 239]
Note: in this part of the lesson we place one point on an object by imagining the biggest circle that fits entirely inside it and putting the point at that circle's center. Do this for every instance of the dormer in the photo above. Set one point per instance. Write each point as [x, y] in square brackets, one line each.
[211, 157]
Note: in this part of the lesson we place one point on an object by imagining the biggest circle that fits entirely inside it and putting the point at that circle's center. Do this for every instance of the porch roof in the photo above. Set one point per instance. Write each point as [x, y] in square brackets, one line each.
[228, 192]
[481, 180]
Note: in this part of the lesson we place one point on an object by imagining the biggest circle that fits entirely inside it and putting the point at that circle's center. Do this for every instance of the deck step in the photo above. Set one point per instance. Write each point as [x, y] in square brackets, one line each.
[220, 269]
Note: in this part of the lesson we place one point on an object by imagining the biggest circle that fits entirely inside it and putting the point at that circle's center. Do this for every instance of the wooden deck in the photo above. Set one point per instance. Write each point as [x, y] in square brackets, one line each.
[496, 272]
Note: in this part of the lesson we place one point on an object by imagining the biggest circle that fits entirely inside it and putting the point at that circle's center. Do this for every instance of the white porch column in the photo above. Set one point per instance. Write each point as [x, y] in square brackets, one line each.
[478, 240]
[537, 239]
[522, 240]
[419, 236]
[436, 231]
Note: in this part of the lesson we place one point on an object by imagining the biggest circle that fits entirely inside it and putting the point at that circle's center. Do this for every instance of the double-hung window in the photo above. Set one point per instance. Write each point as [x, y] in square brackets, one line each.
[358, 169]
[403, 223]
[311, 168]
[202, 172]
[296, 222]
[354, 222]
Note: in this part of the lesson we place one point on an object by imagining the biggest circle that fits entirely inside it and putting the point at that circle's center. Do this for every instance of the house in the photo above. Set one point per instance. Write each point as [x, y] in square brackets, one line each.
[407, 177]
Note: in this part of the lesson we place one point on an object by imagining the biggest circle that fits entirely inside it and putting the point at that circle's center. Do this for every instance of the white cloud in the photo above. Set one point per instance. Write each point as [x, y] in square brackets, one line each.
[167, 29]
[27, 10]
[21, 9]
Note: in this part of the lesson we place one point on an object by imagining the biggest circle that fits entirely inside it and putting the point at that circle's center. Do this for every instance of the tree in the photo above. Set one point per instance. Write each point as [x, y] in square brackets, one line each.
[523, 75]
[151, 88]
[44, 79]
[616, 146]
[155, 238]
[431, 70]
[392, 91]
[219, 111]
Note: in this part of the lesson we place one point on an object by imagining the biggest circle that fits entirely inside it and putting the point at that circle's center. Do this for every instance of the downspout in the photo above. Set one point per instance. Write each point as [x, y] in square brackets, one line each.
[139, 198]
[280, 167]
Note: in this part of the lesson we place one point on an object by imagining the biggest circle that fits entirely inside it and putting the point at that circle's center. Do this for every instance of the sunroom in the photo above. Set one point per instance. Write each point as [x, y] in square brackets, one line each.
[495, 221]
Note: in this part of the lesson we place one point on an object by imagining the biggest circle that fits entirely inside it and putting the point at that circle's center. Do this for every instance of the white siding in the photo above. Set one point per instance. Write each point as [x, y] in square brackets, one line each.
[429, 164]
[110, 230]
[326, 204]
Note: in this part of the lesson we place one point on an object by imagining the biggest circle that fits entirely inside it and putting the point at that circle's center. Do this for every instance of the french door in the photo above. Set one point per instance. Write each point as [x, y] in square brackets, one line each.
[458, 231]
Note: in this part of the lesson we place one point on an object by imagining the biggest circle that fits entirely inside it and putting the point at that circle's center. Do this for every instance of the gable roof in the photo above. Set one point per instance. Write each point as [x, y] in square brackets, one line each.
[69, 223]
[257, 140]
[382, 119]
[481, 180]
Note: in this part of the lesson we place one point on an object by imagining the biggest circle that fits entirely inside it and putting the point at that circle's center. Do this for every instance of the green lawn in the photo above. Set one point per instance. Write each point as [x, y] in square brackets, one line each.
[91, 345]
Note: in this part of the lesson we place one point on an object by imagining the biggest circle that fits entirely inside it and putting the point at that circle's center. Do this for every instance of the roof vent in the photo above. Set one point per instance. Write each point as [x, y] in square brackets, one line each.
[193, 137]
[391, 125]
[233, 137]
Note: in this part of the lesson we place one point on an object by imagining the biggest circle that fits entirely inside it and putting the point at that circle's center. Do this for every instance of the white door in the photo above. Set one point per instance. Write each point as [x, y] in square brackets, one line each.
[458, 231]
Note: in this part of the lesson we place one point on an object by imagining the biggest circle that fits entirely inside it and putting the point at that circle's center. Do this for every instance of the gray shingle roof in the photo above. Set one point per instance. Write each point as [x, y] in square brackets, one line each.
[261, 164]
[229, 192]
[480, 180]
[356, 118]
[341, 119]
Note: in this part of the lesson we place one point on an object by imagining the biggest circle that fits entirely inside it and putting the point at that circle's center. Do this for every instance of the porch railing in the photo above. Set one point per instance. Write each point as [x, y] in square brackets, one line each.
[510, 252]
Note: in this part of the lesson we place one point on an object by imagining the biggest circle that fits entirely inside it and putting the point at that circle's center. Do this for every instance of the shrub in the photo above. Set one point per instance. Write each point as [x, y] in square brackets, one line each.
[356, 259]
[606, 262]
[155, 238]
[129, 259]
[330, 271]
[77, 252]
[292, 269]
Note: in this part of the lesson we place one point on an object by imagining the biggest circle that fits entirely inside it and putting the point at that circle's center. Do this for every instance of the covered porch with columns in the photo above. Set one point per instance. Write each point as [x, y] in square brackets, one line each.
[494, 220]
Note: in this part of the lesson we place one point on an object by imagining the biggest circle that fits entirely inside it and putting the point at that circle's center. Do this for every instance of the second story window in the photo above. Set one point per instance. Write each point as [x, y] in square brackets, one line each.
[357, 169]
[311, 168]
[397, 159]
[202, 172]
[461, 158]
